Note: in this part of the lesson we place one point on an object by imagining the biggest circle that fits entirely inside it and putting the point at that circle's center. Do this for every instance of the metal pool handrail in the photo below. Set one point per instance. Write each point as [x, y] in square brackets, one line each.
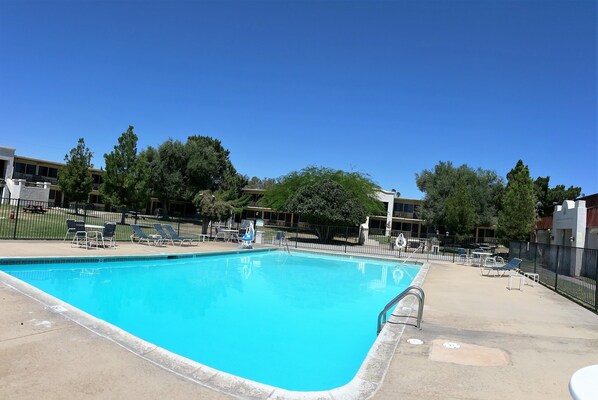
[411, 290]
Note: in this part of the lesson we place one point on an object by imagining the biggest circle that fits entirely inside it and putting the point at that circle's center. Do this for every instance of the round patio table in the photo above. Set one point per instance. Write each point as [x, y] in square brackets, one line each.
[584, 383]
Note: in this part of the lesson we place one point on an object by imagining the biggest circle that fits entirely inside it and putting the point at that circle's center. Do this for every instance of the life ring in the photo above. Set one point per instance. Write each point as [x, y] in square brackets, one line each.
[401, 242]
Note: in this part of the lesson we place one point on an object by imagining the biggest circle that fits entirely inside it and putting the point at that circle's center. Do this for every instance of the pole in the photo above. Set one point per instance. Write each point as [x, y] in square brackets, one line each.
[556, 267]
[596, 285]
[536, 257]
[14, 235]
[346, 237]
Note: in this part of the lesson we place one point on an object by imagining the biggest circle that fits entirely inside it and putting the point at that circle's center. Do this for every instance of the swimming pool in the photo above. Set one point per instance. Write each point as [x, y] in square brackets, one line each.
[301, 322]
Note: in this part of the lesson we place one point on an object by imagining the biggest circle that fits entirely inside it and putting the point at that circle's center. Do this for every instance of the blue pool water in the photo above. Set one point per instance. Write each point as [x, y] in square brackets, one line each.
[300, 321]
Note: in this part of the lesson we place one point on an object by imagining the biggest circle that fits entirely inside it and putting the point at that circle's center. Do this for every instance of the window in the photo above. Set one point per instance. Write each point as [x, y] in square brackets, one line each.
[20, 167]
[43, 171]
[53, 172]
[408, 208]
[30, 169]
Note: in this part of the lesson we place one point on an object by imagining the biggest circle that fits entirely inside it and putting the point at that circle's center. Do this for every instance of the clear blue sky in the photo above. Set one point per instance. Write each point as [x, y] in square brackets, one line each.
[386, 88]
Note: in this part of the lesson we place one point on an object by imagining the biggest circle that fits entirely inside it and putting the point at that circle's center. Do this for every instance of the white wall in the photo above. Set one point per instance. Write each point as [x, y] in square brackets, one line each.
[8, 155]
[569, 229]
[19, 190]
[389, 198]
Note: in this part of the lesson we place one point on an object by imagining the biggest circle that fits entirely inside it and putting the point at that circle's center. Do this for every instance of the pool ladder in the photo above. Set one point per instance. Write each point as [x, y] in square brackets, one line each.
[413, 291]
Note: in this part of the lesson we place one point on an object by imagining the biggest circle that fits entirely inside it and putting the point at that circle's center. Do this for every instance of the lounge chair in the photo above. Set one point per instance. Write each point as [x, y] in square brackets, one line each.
[162, 233]
[176, 238]
[141, 236]
[108, 234]
[501, 270]
[80, 237]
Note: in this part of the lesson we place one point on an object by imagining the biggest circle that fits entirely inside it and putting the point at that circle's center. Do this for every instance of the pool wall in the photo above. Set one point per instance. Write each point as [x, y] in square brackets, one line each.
[366, 382]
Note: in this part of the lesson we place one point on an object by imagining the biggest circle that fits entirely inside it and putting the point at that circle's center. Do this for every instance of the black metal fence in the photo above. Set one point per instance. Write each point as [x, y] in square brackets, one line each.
[29, 219]
[571, 271]
[354, 240]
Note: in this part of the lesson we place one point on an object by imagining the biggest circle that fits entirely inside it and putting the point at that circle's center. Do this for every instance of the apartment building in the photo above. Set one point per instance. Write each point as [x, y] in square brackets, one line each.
[33, 179]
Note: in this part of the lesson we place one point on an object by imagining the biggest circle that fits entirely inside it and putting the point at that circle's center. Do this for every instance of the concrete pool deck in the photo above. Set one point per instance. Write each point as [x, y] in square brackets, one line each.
[512, 344]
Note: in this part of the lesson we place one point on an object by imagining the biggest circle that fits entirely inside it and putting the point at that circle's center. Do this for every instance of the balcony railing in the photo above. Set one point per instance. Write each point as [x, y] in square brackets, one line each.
[34, 178]
[400, 214]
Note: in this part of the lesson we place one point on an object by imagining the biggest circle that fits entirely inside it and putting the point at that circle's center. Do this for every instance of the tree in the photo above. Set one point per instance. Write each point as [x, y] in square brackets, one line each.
[257, 183]
[125, 182]
[180, 171]
[326, 202]
[215, 206]
[460, 211]
[325, 196]
[518, 215]
[75, 178]
[480, 189]
[548, 197]
[166, 166]
[207, 164]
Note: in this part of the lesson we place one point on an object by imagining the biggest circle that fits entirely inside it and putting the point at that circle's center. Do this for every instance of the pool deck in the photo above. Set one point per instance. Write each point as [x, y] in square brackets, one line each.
[512, 344]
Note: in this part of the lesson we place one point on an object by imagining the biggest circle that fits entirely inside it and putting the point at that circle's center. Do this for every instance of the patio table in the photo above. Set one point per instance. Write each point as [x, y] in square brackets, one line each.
[482, 256]
[584, 383]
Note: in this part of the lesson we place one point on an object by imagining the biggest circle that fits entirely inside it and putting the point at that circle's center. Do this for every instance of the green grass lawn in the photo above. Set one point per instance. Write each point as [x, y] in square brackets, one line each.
[52, 224]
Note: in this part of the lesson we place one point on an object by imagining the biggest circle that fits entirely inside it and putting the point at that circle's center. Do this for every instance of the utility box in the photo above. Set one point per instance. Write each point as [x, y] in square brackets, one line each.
[259, 237]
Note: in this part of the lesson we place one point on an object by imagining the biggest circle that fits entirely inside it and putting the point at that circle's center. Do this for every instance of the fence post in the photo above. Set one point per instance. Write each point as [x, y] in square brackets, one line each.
[297, 235]
[535, 257]
[346, 237]
[520, 242]
[84, 213]
[14, 234]
[596, 286]
[556, 267]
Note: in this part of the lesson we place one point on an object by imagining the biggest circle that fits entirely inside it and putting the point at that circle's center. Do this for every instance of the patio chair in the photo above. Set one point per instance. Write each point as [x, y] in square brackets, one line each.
[464, 258]
[501, 270]
[176, 238]
[280, 238]
[220, 234]
[144, 237]
[80, 236]
[107, 234]
[70, 228]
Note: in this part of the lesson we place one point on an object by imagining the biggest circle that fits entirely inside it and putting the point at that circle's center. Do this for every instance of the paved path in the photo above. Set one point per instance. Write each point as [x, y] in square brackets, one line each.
[513, 345]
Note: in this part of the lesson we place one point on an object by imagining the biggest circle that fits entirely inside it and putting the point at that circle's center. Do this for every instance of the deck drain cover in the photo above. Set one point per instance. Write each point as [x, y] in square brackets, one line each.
[451, 345]
[415, 341]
